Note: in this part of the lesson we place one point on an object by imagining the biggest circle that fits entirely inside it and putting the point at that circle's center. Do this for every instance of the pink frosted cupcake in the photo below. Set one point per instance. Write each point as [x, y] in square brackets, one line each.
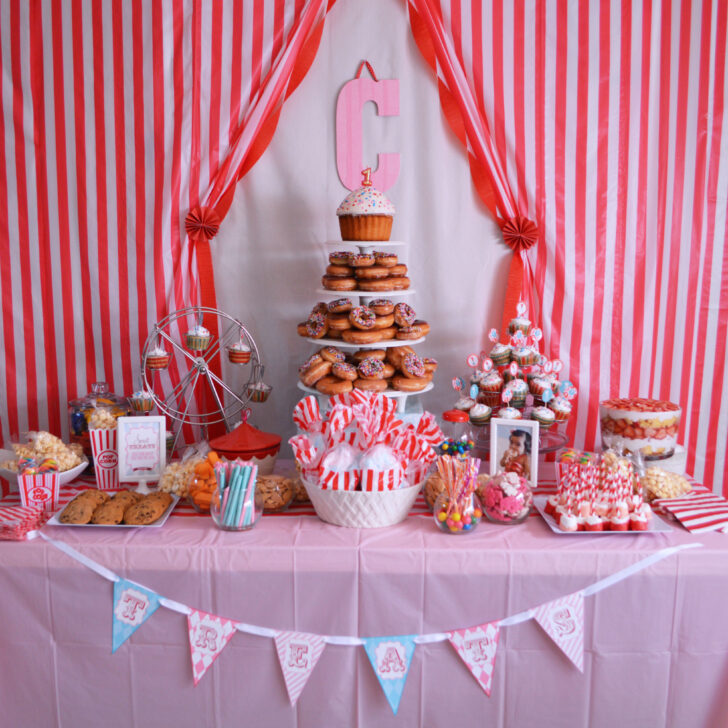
[519, 390]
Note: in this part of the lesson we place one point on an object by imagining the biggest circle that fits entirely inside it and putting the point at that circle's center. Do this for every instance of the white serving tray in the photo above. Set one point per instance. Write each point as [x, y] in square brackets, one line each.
[53, 520]
[341, 344]
[365, 294]
[65, 477]
[655, 525]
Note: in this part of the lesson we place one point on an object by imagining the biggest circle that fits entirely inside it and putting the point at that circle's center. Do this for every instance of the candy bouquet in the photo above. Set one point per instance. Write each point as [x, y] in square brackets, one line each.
[359, 458]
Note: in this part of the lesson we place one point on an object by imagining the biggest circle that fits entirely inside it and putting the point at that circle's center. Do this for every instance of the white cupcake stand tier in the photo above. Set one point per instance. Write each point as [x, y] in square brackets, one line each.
[365, 297]
[180, 398]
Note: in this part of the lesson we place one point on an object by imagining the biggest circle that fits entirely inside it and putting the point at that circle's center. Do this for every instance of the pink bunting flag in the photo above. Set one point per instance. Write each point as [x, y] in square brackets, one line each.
[563, 621]
[298, 653]
[477, 647]
[209, 634]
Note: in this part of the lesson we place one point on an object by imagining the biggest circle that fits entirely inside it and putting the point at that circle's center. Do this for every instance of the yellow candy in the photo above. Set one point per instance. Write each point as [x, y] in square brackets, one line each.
[442, 516]
[455, 516]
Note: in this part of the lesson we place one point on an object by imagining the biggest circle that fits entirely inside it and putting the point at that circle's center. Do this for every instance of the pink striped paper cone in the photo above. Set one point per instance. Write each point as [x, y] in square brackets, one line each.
[334, 480]
[40, 491]
[106, 459]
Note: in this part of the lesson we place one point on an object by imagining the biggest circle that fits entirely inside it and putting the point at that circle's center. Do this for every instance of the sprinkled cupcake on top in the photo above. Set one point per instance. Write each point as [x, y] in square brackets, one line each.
[365, 213]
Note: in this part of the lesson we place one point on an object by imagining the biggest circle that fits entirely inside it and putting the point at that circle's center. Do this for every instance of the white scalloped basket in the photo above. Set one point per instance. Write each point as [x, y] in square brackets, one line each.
[361, 509]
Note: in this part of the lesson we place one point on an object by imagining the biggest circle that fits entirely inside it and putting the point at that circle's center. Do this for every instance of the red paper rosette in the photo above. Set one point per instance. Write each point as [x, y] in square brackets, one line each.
[202, 223]
[519, 233]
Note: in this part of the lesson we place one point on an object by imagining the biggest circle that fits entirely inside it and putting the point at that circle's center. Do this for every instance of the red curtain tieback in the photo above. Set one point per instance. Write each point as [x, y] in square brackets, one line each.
[202, 223]
[519, 233]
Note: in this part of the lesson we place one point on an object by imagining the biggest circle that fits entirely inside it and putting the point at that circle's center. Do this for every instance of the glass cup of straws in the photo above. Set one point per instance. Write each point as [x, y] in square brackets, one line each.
[237, 504]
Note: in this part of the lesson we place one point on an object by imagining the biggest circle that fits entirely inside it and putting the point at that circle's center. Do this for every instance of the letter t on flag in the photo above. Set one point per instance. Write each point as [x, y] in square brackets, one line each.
[133, 605]
[477, 647]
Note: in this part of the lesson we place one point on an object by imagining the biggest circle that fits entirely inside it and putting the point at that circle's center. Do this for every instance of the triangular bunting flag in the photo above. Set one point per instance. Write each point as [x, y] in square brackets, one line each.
[298, 653]
[208, 636]
[563, 621]
[133, 605]
[477, 647]
[391, 658]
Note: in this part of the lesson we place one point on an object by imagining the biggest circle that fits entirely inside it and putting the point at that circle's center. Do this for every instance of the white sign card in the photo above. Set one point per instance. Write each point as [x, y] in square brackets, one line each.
[142, 448]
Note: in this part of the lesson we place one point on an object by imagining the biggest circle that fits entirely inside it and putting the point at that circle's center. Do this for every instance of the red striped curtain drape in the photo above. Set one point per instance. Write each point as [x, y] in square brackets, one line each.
[607, 120]
[117, 119]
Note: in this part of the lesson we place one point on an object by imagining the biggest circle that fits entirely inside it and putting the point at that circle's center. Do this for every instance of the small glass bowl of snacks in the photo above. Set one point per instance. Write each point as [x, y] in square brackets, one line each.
[457, 515]
[277, 492]
[506, 498]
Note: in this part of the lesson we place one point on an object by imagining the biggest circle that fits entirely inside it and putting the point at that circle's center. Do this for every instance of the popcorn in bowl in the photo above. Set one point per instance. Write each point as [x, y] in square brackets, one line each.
[42, 446]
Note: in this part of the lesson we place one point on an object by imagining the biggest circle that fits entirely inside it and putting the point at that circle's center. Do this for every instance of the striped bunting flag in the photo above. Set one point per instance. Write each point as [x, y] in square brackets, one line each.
[563, 621]
[298, 653]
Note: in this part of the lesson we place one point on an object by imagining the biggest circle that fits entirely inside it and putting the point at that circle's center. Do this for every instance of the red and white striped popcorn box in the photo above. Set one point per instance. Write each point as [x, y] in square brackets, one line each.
[40, 491]
[339, 480]
[380, 480]
[106, 458]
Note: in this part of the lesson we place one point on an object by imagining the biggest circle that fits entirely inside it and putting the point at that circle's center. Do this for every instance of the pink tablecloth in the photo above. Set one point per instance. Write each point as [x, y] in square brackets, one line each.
[656, 645]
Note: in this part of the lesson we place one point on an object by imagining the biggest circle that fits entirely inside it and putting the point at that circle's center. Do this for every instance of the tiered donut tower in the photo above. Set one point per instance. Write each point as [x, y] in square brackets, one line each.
[360, 316]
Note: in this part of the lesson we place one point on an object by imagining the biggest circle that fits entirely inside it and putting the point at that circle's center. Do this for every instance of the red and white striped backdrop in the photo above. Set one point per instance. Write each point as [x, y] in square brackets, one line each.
[609, 117]
[117, 117]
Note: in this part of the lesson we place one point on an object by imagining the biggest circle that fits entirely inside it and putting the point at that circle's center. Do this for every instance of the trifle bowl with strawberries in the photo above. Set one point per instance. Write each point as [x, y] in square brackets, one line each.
[639, 425]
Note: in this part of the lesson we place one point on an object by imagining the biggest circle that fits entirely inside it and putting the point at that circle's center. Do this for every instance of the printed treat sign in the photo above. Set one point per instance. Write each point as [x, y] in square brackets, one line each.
[142, 451]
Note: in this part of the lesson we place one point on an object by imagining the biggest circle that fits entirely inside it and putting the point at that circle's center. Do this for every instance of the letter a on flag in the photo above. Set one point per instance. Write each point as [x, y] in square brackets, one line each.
[477, 647]
[391, 658]
[298, 653]
[563, 621]
[208, 636]
[133, 605]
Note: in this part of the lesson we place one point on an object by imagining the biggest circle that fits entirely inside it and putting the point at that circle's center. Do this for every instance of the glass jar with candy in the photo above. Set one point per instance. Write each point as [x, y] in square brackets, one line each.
[457, 509]
[458, 440]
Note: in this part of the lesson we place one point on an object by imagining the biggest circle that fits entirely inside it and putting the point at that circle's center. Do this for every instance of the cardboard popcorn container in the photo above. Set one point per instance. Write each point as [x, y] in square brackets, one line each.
[40, 491]
[106, 458]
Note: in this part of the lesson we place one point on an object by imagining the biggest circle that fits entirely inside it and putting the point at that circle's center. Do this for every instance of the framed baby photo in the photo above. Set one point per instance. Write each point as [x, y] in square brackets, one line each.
[514, 448]
[142, 448]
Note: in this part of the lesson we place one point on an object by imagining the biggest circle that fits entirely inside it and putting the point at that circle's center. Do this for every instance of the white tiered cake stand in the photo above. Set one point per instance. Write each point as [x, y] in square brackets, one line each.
[364, 298]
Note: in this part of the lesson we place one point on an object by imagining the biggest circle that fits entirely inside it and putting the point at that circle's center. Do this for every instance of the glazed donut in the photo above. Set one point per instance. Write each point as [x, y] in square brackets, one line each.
[339, 271]
[384, 322]
[386, 259]
[321, 308]
[332, 354]
[366, 353]
[430, 364]
[340, 257]
[313, 359]
[356, 336]
[398, 270]
[395, 354]
[370, 385]
[333, 385]
[373, 271]
[375, 284]
[333, 334]
[342, 370]
[360, 260]
[423, 326]
[409, 384]
[330, 283]
[388, 333]
[409, 332]
[389, 370]
[301, 329]
[317, 326]
[371, 368]
[315, 372]
[404, 314]
[362, 317]
[381, 306]
[340, 305]
[399, 283]
[412, 366]
[339, 322]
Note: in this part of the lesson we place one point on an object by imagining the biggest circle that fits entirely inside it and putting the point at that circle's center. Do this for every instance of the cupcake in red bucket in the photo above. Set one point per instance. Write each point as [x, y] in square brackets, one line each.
[197, 338]
[157, 358]
[239, 353]
[249, 443]
[365, 213]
